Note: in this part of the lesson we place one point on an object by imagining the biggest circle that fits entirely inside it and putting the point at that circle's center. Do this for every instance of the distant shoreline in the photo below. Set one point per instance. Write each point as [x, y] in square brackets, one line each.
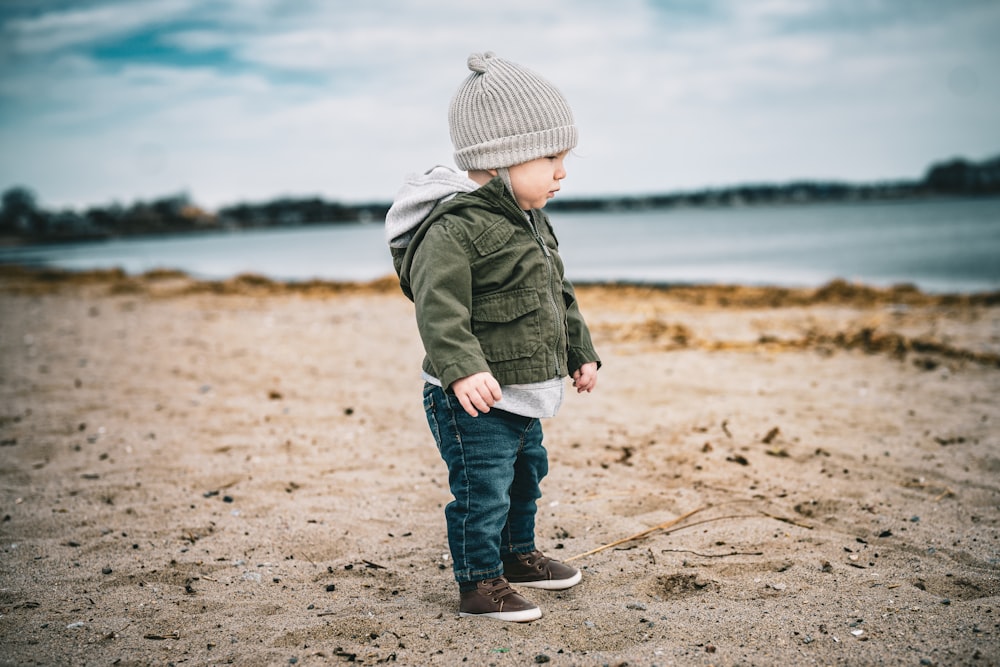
[720, 199]
[21, 218]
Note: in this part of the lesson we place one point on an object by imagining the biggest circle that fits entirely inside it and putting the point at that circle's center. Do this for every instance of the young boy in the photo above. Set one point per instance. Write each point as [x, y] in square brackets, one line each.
[499, 323]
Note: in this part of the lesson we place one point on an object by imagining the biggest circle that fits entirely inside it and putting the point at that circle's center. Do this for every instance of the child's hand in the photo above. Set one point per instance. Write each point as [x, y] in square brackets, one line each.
[585, 378]
[478, 391]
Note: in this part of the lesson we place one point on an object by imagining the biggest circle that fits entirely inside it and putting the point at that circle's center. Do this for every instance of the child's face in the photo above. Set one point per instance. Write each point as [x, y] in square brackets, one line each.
[537, 181]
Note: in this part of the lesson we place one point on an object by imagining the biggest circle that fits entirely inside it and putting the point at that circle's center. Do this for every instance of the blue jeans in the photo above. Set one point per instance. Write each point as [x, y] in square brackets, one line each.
[495, 463]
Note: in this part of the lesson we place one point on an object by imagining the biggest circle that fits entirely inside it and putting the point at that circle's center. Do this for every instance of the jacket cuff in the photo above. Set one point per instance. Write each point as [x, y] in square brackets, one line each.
[578, 356]
[460, 369]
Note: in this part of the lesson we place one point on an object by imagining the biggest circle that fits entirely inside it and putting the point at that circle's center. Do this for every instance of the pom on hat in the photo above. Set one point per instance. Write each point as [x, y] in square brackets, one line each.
[504, 114]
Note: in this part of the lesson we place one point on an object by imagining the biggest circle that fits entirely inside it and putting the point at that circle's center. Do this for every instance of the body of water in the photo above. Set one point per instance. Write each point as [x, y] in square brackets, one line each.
[946, 245]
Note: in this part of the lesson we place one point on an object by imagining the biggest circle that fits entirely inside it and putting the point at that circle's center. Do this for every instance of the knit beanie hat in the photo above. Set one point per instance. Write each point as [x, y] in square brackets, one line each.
[504, 114]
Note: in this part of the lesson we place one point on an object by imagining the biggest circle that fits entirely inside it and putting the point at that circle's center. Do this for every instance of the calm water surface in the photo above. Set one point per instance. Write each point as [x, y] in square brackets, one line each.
[941, 246]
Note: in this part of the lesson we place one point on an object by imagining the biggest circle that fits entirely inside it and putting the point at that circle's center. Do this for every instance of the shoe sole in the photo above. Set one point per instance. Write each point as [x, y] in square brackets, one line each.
[550, 584]
[524, 616]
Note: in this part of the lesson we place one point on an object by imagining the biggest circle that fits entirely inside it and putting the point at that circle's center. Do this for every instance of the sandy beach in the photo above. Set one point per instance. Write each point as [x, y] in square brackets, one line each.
[241, 473]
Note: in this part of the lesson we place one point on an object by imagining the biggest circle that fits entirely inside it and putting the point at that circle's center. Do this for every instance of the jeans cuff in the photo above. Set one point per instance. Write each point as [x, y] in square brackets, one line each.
[470, 576]
[523, 548]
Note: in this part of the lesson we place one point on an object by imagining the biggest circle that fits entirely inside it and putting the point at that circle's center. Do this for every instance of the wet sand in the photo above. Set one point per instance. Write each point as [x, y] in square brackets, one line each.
[241, 473]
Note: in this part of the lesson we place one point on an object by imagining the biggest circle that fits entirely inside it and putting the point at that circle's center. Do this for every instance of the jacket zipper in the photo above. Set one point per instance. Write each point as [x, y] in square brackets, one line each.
[549, 272]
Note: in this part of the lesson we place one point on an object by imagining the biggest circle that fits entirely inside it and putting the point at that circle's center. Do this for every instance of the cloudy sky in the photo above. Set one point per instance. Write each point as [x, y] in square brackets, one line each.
[248, 100]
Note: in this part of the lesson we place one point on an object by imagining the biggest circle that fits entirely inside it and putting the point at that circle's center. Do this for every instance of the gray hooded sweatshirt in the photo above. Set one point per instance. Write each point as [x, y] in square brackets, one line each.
[418, 196]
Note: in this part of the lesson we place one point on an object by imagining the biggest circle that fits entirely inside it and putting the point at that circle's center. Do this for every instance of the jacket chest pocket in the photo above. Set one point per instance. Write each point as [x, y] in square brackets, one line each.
[507, 324]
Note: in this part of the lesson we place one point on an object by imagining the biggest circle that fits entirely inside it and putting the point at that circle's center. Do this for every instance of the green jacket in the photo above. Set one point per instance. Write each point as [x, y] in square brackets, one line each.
[490, 294]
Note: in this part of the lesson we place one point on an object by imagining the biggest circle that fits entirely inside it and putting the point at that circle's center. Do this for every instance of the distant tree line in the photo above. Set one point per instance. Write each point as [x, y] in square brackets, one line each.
[23, 221]
[789, 193]
[963, 177]
[956, 178]
[289, 212]
[20, 217]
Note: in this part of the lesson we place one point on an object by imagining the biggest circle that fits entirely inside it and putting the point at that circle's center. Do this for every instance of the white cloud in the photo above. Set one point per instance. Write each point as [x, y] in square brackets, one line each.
[199, 40]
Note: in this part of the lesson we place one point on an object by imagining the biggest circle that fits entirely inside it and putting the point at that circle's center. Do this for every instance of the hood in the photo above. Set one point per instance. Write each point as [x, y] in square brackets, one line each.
[417, 197]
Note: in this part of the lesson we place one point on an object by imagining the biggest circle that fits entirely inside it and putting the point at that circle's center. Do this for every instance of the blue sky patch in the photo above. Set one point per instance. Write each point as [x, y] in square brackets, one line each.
[150, 46]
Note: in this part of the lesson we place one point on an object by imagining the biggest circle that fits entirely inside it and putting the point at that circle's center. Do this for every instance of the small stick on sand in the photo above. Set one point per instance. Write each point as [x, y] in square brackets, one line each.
[786, 520]
[944, 494]
[662, 526]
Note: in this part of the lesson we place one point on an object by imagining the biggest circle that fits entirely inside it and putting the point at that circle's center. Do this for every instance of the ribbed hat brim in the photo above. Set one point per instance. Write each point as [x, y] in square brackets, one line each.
[509, 151]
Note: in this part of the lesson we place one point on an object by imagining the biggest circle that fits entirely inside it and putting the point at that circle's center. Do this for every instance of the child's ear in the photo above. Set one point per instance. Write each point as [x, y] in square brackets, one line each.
[492, 172]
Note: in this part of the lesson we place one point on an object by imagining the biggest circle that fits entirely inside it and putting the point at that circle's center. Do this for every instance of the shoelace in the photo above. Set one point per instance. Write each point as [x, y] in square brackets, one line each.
[499, 589]
[536, 559]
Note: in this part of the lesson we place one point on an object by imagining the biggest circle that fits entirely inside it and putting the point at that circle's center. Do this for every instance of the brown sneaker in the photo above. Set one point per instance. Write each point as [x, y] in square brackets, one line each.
[494, 598]
[536, 570]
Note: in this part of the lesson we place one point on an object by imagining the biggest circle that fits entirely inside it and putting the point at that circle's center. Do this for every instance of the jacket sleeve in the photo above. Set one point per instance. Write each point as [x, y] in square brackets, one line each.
[441, 279]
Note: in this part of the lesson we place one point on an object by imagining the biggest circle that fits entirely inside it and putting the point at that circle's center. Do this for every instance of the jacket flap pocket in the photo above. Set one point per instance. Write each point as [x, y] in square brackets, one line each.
[506, 306]
[493, 238]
